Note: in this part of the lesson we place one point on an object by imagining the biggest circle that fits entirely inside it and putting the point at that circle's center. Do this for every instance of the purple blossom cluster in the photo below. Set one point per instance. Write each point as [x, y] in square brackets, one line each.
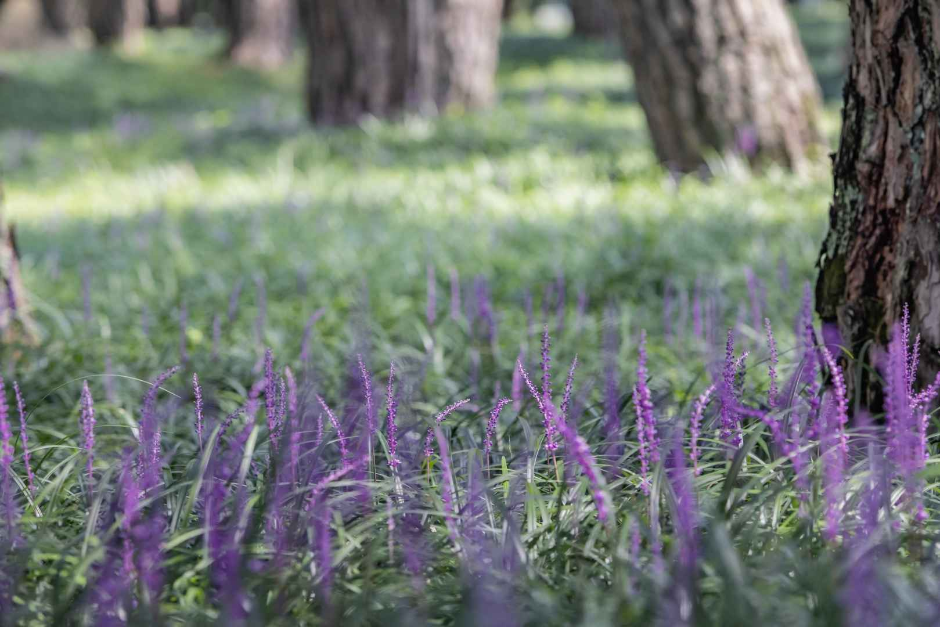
[645, 418]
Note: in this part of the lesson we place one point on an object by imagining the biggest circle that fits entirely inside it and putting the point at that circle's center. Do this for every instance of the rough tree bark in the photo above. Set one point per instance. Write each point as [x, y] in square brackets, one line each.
[260, 32]
[385, 57]
[716, 76]
[63, 16]
[593, 18]
[883, 246]
[116, 21]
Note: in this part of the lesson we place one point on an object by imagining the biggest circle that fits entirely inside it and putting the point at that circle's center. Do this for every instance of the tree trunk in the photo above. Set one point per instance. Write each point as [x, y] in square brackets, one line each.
[163, 13]
[883, 246]
[63, 16]
[260, 32]
[386, 57]
[721, 76]
[593, 18]
[116, 21]
[508, 7]
[15, 321]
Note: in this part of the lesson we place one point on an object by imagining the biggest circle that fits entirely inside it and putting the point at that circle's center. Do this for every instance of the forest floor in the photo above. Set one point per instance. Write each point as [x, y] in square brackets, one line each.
[149, 170]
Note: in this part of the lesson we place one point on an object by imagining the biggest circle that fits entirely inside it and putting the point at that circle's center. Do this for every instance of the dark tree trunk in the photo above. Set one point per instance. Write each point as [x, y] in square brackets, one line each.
[508, 7]
[883, 246]
[721, 76]
[385, 57]
[116, 21]
[63, 16]
[594, 18]
[260, 32]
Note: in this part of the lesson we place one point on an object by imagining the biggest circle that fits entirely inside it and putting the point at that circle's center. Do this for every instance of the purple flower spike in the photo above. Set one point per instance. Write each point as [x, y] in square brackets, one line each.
[492, 422]
[7, 502]
[270, 393]
[150, 454]
[344, 453]
[546, 365]
[569, 386]
[438, 419]
[772, 368]
[88, 428]
[366, 379]
[730, 419]
[391, 422]
[24, 436]
[841, 407]
[645, 419]
[548, 417]
[695, 426]
[6, 434]
[197, 393]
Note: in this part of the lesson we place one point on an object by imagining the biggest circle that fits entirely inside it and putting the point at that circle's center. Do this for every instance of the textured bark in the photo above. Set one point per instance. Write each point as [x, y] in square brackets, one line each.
[385, 57]
[883, 246]
[63, 16]
[116, 21]
[717, 76]
[594, 18]
[260, 32]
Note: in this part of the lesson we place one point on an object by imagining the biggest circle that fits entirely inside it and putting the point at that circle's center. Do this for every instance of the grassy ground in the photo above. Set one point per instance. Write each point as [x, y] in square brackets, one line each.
[559, 176]
[148, 188]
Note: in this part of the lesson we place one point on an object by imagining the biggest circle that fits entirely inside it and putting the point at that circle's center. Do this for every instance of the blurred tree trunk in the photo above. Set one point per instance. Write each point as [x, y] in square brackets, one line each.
[715, 76]
[15, 321]
[63, 16]
[163, 13]
[116, 21]
[883, 246]
[260, 32]
[593, 18]
[508, 8]
[385, 57]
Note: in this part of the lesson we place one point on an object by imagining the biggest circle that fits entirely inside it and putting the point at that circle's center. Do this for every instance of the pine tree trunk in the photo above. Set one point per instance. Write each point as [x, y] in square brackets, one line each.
[63, 16]
[593, 18]
[385, 57]
[116, 21]
[883, 246]
[260, 32]
[721, 76]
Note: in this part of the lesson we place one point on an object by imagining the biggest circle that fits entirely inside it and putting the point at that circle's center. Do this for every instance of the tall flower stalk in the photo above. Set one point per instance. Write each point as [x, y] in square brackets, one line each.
[88, 429]
[645, 418]
[24, 437]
